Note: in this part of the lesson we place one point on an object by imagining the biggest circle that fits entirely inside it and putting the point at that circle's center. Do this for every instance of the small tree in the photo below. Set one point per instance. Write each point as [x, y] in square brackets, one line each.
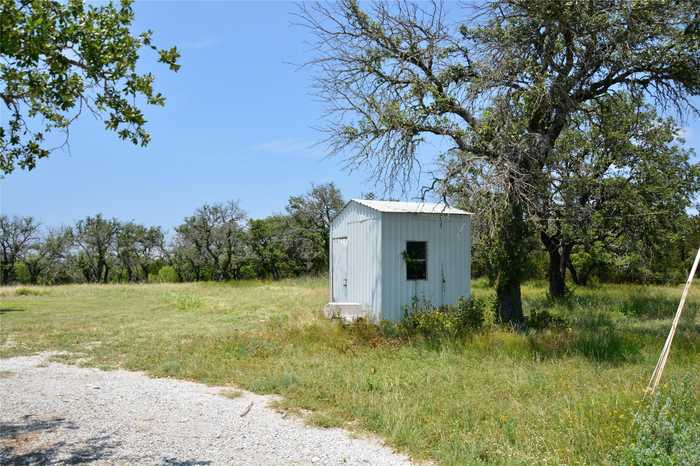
[268, 243]
[96, 239]
[214, 239]
[16, 236]
[44, 255]
[138, 248]
[311, 216]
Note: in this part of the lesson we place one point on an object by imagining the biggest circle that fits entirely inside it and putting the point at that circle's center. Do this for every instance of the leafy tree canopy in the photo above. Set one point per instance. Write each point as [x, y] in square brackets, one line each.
[60, 59]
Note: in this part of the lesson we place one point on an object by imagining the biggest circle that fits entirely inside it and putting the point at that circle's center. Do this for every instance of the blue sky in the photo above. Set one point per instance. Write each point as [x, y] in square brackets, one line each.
[239, 124]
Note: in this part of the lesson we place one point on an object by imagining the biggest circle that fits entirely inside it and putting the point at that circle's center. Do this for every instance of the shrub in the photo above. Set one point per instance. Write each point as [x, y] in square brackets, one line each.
[248, 272]
[167, 274]
[449, 322]
[666, 431]
[29, 292]
[471, 313]
[186, 301]
[21, 273]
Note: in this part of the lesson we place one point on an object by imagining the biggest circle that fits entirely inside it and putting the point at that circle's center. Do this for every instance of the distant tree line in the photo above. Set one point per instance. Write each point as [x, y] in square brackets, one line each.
[631, 224]
[216, 242]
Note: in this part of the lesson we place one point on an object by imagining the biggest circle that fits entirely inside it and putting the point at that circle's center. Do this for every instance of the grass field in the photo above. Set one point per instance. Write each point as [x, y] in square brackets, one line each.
[564, 396]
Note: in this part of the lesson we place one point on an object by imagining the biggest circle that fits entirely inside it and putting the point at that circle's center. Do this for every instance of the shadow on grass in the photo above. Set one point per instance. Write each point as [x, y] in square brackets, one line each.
[636, 302]
[593, 335]
[5, 310]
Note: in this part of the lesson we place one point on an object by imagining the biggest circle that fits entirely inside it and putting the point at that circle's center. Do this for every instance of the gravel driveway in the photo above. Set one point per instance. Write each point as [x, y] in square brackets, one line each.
[57, 414]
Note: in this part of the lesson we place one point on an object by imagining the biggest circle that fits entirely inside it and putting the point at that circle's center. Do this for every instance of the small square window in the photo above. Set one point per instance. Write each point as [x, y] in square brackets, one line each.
[416, 257]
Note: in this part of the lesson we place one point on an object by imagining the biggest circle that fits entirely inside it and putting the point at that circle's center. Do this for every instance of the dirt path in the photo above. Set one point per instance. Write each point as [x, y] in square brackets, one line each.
[57, 414]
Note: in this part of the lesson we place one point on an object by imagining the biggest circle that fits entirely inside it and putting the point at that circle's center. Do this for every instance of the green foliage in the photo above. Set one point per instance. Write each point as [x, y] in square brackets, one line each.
[624, 184]
[450, 322]
[472, 313]
[666, 430]
[268, 240]
[210, 244]
[16, 235]
[311, 215]
[137, 248]
[247, 271]
[167, 274]
[96, 240]
[45, 258]
[219, 243]
[60, 59]
[21, 273]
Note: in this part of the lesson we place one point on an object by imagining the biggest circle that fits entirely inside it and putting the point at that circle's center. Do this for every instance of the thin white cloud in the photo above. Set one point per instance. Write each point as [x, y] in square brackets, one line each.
[288, 146]
[199, 44]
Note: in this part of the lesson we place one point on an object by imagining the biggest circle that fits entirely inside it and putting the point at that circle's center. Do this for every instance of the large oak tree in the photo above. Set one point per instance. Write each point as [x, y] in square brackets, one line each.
[499, 87]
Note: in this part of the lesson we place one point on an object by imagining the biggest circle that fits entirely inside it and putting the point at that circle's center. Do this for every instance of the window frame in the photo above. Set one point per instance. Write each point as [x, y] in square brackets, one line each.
[424, 261]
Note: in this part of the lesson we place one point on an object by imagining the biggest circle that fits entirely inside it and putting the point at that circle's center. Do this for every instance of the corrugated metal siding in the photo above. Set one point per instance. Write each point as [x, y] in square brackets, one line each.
[449, 260]
[362, 227]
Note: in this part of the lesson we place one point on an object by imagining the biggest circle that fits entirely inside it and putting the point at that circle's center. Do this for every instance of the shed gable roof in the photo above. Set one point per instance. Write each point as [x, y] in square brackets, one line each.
[410, 207]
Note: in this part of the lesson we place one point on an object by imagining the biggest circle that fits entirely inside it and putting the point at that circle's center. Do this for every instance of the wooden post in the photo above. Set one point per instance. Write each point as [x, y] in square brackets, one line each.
[663, 357]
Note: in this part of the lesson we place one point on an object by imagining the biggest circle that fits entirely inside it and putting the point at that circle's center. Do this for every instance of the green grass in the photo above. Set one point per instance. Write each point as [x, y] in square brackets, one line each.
[560, 396]
[232, 394]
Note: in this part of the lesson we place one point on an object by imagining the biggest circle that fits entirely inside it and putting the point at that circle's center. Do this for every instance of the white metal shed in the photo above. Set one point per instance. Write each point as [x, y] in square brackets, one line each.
[385, 254]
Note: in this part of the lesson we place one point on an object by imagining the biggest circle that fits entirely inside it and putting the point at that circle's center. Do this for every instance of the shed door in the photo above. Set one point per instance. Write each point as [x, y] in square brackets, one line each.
[340, 269]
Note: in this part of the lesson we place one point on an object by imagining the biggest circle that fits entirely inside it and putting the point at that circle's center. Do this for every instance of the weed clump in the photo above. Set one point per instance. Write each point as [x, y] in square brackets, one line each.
[594, 336]
[186, 301]
[451, 322]
[232, 394]
[29, 292]
[666, 430]
[540, 320]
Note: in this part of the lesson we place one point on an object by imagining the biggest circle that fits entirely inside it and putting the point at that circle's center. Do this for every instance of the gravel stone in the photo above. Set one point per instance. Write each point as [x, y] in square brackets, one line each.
[52, 413]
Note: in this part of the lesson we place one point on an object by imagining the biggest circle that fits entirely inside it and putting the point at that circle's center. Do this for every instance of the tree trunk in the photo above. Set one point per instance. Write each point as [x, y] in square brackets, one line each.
[511, 260]
[583, 277]
[573, 272]
[557, 285]
[510, 304]
[579, 277]
[34, 272]
[565, 258]
[7, 273]
[556, 272]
